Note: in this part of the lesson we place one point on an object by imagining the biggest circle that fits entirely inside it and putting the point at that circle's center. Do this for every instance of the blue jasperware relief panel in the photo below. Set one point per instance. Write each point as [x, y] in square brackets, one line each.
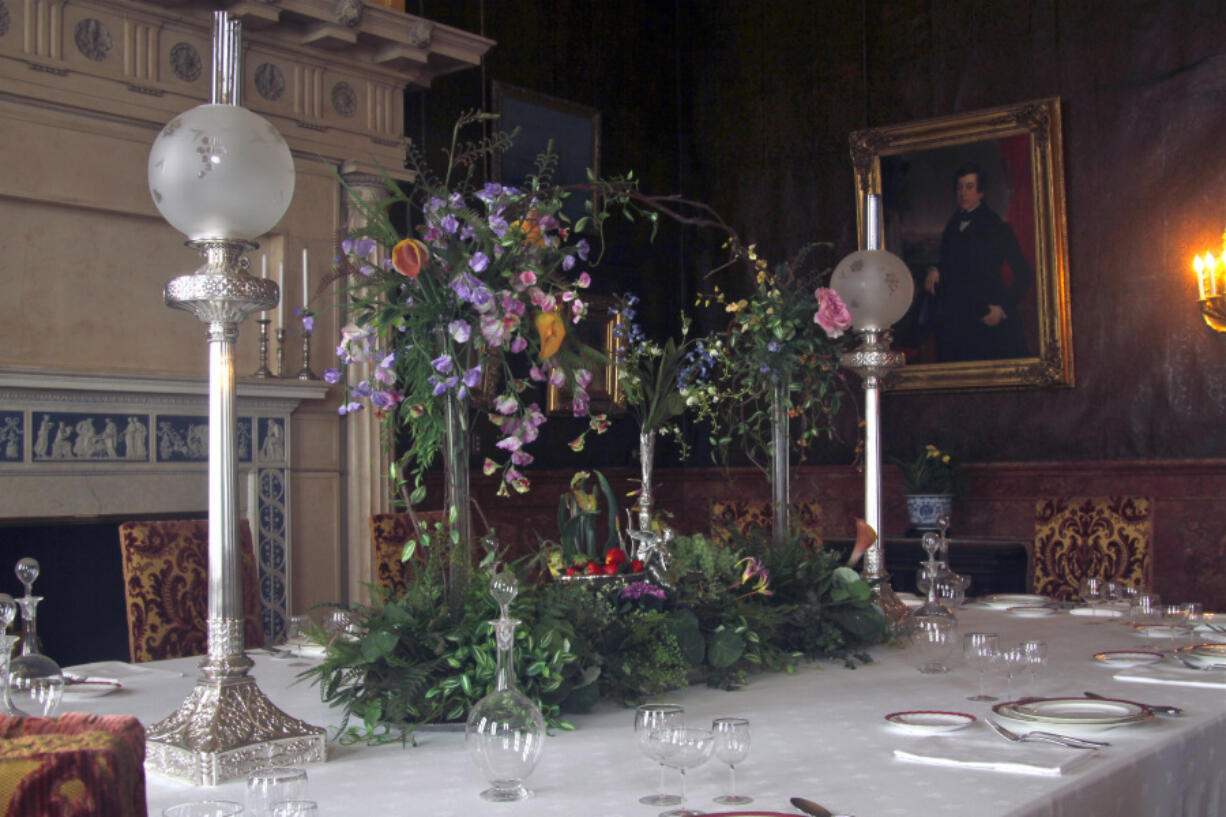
[183, 438]
[61, 436]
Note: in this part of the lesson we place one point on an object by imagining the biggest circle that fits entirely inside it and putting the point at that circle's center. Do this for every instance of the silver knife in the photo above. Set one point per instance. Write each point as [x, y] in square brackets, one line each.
[1161, 709]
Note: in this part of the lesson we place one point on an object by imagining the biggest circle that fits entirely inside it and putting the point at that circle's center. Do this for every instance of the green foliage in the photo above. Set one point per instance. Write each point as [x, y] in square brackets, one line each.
[577, 511]
[736, 610]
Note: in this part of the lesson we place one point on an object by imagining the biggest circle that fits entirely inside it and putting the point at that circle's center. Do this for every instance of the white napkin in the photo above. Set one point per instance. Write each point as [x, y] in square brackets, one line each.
[1016, 758]
[1179, 676]
[121, 670]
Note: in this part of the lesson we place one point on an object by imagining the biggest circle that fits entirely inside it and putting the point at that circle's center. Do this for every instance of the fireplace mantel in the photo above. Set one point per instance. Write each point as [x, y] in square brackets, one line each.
[87, 445]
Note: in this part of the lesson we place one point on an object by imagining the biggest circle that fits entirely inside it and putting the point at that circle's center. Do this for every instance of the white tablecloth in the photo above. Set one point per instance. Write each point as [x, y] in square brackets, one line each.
[818, 733]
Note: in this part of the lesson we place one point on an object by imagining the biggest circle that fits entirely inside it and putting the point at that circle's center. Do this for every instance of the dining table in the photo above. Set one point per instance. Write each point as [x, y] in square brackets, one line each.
[819, 732]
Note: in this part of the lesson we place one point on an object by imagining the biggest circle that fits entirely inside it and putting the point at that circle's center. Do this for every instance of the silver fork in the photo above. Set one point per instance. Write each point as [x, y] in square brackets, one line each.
[1046, 737]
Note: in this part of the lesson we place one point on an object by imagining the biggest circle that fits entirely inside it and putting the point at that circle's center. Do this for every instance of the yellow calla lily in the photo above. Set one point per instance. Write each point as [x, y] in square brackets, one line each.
[552, 330]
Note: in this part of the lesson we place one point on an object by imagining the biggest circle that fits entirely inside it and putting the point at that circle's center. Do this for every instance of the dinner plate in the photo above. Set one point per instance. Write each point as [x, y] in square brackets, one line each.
[928, 721]
[1002, 601]
[1012, 718]
[1203, 656]
[1128, 658]
[1030, 611]
[1157, 630]
[1096, 612]
[94, 687]
[1078, 710]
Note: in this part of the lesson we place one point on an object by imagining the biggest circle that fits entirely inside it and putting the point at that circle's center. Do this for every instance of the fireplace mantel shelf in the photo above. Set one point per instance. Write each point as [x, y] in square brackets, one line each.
[127, 383]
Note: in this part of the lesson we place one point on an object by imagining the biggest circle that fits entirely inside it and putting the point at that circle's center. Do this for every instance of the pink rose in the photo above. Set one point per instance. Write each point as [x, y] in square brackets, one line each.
[832, 314]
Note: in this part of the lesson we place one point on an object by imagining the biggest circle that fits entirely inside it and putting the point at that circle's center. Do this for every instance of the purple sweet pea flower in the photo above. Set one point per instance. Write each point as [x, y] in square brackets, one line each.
[479, 262]
[442, 364]
[568, 263]
[584, 248]
[460, 331]
[308, 322]
[332, 375]
[522, 458]
[449, 223]
[472, 377]
[518, 345]
[498, 225]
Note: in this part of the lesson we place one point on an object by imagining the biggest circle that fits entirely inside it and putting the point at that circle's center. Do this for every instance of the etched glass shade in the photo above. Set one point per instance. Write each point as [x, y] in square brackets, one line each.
[876, 286]
[221, 171]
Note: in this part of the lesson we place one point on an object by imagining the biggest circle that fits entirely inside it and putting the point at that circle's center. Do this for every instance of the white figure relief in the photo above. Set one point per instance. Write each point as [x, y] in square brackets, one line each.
[42, 443]
[61, 449]
[110, 440]
[12, 436]
[83, 448]
[198, 442]
[170, 442]
[134, 439]
[273, 447]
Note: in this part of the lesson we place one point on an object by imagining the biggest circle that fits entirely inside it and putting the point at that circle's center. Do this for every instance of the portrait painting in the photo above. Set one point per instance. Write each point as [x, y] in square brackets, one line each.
[974, 205]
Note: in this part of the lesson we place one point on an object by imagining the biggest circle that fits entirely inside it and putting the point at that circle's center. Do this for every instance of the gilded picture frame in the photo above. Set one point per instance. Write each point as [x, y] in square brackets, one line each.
[916, 168]
[599, 331]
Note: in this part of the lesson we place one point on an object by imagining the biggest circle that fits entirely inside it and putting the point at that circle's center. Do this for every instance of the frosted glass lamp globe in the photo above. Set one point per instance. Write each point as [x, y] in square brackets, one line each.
[876, 286]
[221, 172]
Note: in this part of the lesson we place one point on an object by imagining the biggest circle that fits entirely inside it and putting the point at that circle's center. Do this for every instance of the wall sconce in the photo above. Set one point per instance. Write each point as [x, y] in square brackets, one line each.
[1211, 280]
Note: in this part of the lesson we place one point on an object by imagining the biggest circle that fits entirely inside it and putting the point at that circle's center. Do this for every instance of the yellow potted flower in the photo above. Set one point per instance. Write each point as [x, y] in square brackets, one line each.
[929, 484]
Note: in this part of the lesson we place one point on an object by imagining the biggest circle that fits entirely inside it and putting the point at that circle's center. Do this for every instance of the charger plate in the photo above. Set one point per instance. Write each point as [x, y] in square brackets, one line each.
[1003, 601]
[1128, 658]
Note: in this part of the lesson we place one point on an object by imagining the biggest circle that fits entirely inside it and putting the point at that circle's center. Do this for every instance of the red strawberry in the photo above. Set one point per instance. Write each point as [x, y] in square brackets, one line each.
[615, 557]
[594, 569]
[636, 566]
[610, 570]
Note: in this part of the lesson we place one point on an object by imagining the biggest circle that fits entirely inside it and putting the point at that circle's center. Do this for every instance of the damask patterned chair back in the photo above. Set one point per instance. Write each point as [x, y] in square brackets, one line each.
[166, 587]
[388, 533]
[743, 515]
[76, 765]
[1079, 536]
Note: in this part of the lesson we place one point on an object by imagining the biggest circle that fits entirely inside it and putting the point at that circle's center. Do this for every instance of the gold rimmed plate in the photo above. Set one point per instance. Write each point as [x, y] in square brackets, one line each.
[1128, 658]
[929, 721]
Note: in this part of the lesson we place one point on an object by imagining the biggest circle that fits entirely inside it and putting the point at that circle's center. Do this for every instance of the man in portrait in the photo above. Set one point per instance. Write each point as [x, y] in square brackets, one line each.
[973, 313]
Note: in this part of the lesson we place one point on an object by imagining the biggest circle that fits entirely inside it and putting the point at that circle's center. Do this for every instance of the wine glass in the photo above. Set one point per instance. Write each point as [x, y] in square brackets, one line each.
[1173, 617]
[204, 808]
[979, 650]
[275, 785]
[1146, 614]
[933, 637]
[1011, 659]
[1034, 653]
[683, 749]
[294, 808]
[731, 747]
[1092, 590]
[648, 720]
[1194, 616]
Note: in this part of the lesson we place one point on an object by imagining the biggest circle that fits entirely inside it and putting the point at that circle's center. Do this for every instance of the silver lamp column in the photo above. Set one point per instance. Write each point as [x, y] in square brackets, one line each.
[223, 175]
[877, 288]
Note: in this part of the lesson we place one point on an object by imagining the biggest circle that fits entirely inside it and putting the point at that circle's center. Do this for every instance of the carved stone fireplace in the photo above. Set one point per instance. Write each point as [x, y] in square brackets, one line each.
[86, 447]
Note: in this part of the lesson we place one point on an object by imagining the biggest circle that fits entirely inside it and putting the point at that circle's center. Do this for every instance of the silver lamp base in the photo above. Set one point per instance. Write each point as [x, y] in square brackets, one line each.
[226, 729]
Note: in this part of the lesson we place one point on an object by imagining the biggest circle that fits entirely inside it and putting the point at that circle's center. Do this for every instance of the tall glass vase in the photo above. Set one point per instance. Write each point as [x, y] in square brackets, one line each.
[647, 455]
[459, 501]
[780, 443]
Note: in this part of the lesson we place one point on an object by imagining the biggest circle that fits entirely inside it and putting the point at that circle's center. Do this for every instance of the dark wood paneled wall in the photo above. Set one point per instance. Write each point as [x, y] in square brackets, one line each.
[748, 105]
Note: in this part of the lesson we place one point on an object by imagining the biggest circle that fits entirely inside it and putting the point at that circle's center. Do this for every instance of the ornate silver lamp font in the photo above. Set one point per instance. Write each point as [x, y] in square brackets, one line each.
[223, 175]
[877, 288]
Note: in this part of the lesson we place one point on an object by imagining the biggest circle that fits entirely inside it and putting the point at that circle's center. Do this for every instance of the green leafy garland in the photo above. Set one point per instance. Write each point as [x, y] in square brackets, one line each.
[732, 611]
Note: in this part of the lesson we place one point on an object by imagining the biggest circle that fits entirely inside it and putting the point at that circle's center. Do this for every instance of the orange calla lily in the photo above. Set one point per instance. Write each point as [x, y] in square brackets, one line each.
[865, 536]
[552, 330]
[409, 256]
[531, 229]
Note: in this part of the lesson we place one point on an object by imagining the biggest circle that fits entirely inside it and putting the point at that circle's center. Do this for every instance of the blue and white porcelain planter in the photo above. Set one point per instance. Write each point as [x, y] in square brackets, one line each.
[923, 510]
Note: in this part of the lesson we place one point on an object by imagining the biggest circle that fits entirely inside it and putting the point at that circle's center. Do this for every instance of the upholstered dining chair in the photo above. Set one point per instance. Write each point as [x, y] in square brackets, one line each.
[740, 516]
[388, 533]
[1080, 536]
[76, 765]
[166, 587]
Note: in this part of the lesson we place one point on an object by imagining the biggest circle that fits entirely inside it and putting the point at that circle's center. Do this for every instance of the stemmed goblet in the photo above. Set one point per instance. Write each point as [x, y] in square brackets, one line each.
[684, 749]
[650, 720]
[1174, 619]
[731, 747]
[1012, 660]
[1092, 593]
[1034, 654]
[979, 650]
[1146, 614]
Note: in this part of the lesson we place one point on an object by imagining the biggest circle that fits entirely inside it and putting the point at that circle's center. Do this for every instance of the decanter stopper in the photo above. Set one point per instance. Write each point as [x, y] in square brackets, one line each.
[27, 572]
[504, 587]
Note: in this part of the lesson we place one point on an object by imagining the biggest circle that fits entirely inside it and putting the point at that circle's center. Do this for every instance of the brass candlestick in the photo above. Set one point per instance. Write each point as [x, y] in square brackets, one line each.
[281, 352]
[263, 371]
[305, 372]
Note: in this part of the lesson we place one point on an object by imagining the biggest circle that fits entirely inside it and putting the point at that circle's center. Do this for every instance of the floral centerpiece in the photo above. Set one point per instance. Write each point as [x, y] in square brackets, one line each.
[781, 366]
[737, 610]
[660, 382]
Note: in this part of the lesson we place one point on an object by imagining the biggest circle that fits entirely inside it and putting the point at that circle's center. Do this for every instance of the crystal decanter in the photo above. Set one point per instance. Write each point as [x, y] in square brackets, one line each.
[505, 730]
